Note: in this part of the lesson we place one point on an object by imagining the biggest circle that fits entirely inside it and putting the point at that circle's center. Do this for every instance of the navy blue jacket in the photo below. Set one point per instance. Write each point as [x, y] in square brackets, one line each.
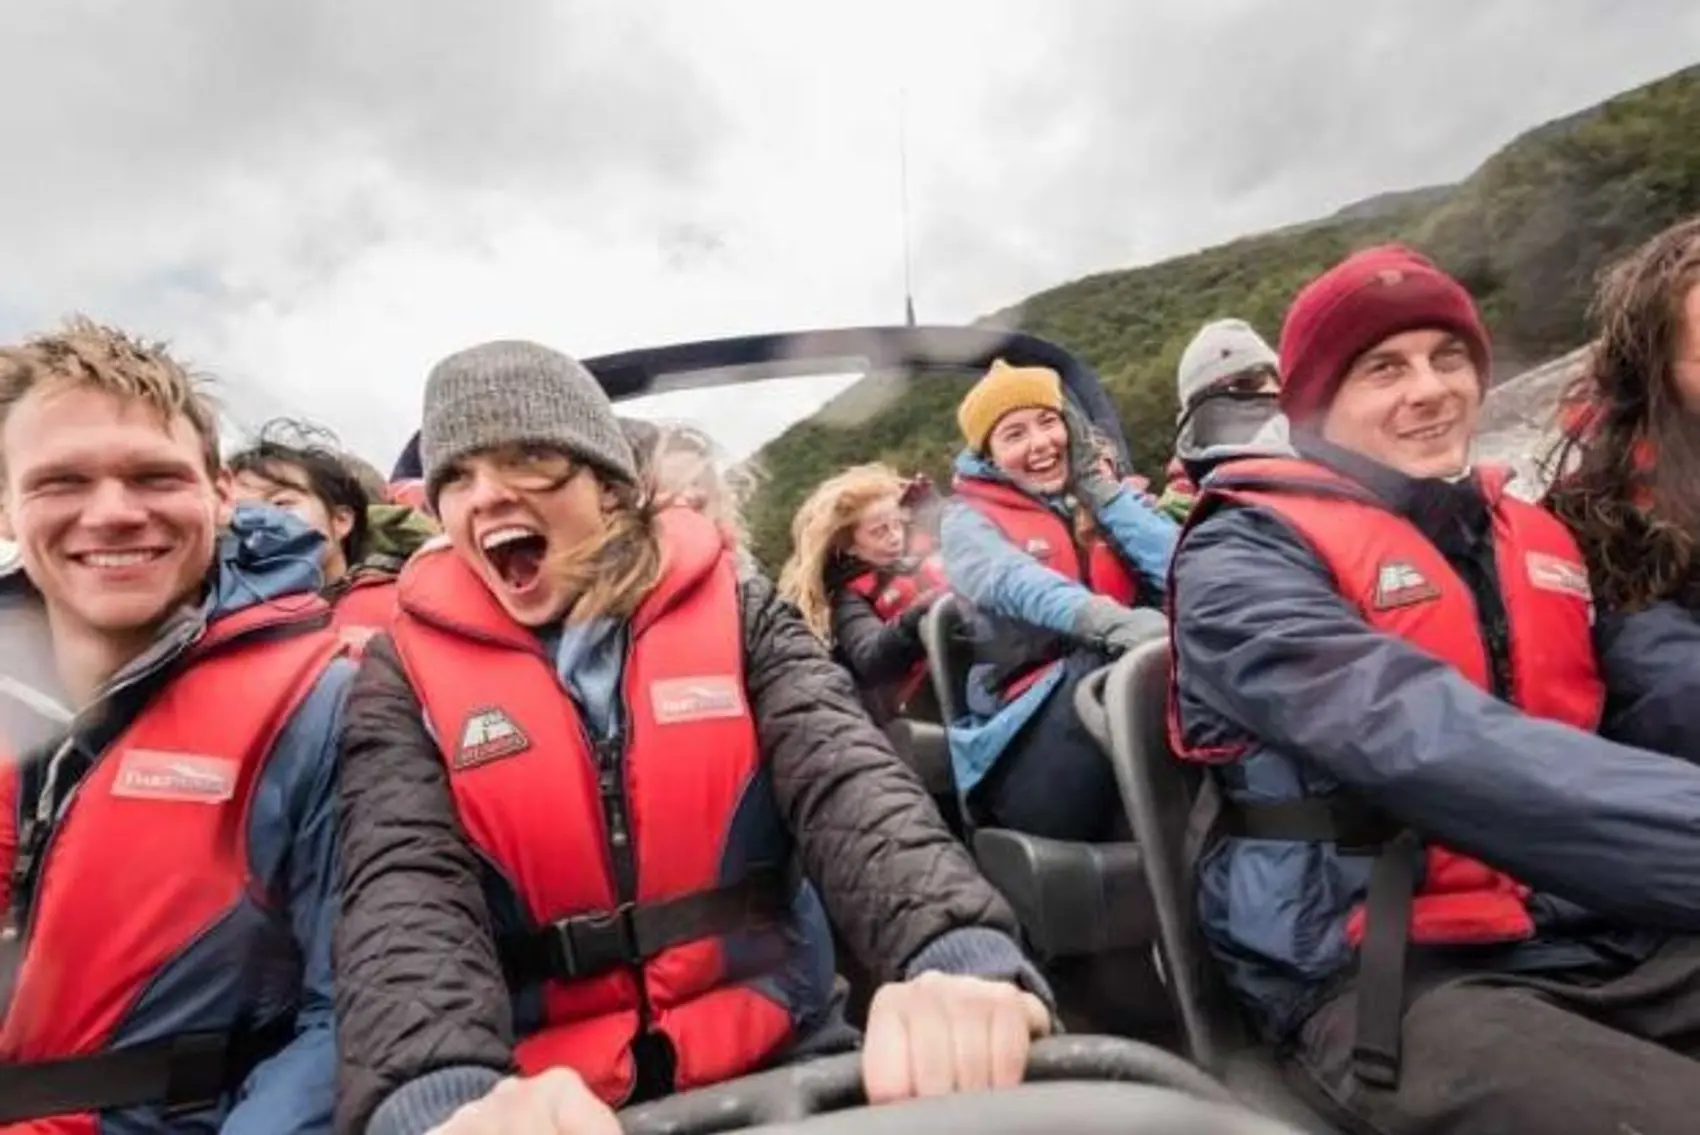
[1269, 654]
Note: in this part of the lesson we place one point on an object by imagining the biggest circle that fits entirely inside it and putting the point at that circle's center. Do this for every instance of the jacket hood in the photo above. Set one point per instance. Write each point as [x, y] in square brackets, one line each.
[393, 533]
[265, 554]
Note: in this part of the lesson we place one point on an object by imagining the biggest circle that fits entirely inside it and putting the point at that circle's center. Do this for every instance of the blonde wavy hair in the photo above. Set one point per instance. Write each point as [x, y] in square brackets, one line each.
[821, 529]
[684, 466]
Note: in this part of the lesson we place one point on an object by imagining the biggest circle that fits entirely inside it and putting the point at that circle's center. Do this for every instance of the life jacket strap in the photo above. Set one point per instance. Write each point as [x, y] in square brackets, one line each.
[179, 1074]
[631, 934]
[1357, 829]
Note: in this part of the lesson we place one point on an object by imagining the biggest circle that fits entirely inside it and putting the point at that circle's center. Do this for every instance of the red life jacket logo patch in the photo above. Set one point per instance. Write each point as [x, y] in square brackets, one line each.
[1039, 547]
[153, 774]
[678, 700]
[891, 596]
[1398, 584]
[488, 735]
[1555, 574]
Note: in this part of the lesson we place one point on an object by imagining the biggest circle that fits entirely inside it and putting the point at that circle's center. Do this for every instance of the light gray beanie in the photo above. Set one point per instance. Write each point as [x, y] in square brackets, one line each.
[517, 392]
[1220, 350]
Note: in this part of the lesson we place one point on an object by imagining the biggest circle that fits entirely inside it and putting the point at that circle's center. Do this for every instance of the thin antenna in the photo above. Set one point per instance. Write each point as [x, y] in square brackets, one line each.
[903, 191]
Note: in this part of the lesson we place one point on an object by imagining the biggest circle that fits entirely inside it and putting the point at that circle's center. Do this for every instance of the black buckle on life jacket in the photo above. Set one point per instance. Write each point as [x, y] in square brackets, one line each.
[589, 944]
[1375, 1067]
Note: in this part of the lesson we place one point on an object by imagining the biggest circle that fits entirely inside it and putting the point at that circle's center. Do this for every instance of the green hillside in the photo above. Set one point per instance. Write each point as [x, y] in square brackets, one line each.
[1527, 232]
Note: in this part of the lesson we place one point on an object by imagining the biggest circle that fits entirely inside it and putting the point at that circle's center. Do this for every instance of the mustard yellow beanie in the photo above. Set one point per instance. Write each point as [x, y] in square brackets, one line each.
[1006, 388]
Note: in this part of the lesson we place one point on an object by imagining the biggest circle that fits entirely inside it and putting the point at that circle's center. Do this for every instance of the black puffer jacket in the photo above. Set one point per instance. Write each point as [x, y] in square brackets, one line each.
[878, 654]
[419, 987]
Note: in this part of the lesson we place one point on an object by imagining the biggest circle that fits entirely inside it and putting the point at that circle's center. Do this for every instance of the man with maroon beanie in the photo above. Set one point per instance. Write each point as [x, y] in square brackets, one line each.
[1454, 905]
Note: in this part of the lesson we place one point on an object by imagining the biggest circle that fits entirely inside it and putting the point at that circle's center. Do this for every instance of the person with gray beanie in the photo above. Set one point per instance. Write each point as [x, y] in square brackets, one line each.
[601, 789]
[1226, 386]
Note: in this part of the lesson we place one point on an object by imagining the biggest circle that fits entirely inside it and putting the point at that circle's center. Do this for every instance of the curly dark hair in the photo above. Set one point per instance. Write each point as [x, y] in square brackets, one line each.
[1629, 465]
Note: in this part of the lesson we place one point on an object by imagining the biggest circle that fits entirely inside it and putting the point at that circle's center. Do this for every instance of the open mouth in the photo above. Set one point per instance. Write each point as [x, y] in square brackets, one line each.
[516, 555]
[1043, 466]
[118, 560]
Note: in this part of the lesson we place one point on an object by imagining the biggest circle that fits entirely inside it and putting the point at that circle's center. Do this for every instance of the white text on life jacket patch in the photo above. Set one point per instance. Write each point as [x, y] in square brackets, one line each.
[488, 735]
[153, 774]
[356, 638]
[1398, 584]
[677, 700]
[1551, 573]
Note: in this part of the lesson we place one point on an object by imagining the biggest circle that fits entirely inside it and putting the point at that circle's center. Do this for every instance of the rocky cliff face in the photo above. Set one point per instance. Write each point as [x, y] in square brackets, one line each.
[1519, 420]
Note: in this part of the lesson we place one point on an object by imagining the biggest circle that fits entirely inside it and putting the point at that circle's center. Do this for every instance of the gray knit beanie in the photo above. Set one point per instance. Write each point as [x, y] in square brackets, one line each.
[511, 392]
[1220, 350]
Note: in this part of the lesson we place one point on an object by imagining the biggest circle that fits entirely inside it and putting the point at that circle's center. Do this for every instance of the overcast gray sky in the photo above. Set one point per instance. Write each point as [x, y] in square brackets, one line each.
[317, 199]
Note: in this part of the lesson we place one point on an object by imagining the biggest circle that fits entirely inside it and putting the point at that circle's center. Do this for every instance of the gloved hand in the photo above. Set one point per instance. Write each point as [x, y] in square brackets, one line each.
[1118, 629]
[1087, 481]
[911, 619]
[917, 489]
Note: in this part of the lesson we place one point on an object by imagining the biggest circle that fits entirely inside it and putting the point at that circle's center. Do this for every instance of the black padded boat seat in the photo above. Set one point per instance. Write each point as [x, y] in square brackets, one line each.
[924, 748]
[1256, 1080]
[1072, 898]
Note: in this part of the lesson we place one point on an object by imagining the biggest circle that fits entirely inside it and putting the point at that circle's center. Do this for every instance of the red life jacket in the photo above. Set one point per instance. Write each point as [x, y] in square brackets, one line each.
[891, 593]
[365, 608]
[576, 830]
[1579, 420]
[1042, 534]
[1403, 586]
[151, 853]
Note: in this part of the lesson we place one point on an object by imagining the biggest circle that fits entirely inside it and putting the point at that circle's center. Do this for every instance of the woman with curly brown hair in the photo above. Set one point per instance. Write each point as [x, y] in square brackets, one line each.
[1630, 460]
[1629, 488]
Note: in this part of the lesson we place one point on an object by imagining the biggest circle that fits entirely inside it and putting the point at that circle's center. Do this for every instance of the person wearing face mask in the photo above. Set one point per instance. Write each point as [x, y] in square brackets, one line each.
[1053, 557]
[602, 787]
[1227, 384]
[167, 832]
[858, 587]
[1455, 906]
[366, 541]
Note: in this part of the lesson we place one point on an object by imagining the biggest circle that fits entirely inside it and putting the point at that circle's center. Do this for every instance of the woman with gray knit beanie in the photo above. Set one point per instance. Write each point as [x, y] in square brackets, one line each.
[600, 791]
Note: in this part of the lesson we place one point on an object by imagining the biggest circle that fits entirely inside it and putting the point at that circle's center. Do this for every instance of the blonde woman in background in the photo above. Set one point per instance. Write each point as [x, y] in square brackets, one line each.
[682, 467]
[860, 589]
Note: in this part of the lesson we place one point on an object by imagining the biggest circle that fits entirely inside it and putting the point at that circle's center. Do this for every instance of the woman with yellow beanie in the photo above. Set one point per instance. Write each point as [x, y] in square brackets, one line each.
[1054, 559]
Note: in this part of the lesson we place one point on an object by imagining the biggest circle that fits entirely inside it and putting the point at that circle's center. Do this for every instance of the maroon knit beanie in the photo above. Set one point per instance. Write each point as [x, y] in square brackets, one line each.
[1370, 296]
